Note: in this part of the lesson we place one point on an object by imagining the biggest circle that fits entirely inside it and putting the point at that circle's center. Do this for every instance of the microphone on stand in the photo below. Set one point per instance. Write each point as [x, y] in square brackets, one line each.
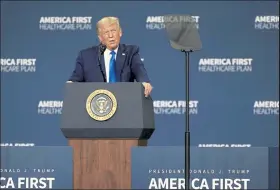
[101, 50]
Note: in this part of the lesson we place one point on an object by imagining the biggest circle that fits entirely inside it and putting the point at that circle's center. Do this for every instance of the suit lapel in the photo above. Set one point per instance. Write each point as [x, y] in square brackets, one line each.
[120, 59]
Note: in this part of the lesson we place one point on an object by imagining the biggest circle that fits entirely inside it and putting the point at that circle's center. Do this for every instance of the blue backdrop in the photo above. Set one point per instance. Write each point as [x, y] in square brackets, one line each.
[234, 79]
[226, 111]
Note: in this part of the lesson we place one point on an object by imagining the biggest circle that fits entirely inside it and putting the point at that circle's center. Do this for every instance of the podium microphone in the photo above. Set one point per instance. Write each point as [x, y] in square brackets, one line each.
[183, 36]
[101, 50]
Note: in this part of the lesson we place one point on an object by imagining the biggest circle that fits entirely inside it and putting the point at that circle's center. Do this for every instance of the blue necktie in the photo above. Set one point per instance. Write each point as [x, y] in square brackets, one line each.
[112, 74]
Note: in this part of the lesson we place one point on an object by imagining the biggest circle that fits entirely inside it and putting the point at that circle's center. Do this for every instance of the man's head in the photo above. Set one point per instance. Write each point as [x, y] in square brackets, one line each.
[109, 32]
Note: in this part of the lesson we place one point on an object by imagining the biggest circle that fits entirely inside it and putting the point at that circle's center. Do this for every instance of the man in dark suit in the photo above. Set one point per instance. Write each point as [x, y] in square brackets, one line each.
[110, 61]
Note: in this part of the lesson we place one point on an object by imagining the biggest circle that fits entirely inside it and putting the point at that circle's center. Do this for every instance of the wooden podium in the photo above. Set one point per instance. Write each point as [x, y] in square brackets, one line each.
[102, 122]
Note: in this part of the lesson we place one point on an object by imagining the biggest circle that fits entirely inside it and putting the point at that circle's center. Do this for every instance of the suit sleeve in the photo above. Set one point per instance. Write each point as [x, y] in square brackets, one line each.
[138, 68]
[78, 73]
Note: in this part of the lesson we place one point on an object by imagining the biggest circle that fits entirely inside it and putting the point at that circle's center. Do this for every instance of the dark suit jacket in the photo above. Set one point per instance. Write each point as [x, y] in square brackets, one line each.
[129, 66]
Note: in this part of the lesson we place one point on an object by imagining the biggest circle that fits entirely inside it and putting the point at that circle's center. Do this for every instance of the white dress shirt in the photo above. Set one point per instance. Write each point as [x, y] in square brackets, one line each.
[107, 58]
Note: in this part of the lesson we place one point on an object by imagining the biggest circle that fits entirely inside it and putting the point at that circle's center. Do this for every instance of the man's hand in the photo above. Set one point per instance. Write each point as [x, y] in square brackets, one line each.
[148, 88]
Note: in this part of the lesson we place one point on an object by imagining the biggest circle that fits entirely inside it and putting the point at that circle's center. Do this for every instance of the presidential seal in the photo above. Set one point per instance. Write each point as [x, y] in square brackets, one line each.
[101, 105]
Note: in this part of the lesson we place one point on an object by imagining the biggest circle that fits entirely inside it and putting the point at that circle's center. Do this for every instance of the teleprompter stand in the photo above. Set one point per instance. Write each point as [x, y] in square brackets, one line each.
[183, 35]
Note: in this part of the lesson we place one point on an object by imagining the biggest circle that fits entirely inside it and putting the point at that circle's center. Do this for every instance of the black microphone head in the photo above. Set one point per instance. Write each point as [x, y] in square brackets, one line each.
[102, 48]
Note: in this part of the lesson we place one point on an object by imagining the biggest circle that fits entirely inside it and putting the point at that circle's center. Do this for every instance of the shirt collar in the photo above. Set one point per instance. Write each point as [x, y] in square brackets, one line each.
[107, 51]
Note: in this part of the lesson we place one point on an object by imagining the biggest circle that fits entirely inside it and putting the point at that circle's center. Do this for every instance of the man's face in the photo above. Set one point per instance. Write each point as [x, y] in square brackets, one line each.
[110, 35]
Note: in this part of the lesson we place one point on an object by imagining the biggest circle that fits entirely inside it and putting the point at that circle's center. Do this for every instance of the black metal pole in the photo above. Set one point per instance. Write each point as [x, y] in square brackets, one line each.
[187, 130]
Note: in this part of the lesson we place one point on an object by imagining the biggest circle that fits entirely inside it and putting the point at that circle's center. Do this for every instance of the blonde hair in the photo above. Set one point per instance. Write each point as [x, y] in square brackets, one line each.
[110, 20]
